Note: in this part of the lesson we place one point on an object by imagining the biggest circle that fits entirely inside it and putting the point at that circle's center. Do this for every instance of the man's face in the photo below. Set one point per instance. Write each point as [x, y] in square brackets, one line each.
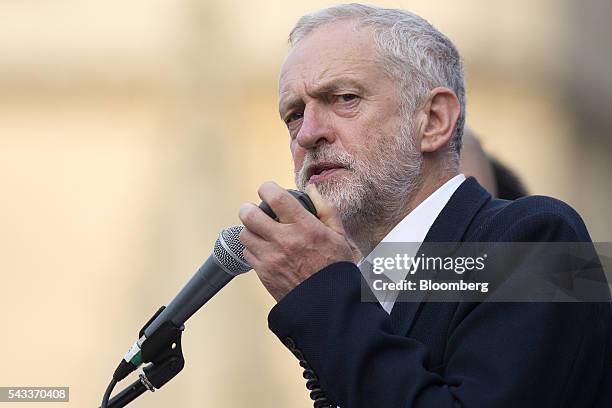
[343, 114]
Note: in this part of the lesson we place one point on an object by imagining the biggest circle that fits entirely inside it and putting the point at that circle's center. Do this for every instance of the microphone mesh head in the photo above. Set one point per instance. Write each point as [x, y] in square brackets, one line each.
[228, 251]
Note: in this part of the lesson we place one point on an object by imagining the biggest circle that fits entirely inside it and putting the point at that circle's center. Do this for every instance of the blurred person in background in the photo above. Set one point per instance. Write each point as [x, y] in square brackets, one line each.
[493, 175]
[374, 102]
[509, 186]
[475, 162]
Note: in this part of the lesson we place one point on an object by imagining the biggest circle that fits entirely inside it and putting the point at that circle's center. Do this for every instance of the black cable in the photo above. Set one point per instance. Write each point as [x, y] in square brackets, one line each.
[107, 394]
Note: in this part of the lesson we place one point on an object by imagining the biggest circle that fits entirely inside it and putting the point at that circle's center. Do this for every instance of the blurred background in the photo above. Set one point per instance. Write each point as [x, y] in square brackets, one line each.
[131, 132]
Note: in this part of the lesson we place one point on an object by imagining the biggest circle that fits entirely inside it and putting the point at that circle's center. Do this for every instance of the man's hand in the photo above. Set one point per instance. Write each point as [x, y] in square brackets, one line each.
[287, 252]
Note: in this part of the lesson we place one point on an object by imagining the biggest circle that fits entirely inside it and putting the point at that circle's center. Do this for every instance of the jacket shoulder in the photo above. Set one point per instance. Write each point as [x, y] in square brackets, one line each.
[532, 218]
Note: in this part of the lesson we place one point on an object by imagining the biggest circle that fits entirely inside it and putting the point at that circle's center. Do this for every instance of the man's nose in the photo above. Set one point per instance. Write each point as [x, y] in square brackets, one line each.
[316, 128]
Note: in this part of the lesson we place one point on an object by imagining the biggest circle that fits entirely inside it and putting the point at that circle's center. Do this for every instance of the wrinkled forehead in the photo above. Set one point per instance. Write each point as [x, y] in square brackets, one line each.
[326, 50]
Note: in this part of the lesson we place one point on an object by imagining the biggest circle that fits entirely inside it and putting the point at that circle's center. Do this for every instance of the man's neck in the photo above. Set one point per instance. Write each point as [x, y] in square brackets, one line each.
[368, 238]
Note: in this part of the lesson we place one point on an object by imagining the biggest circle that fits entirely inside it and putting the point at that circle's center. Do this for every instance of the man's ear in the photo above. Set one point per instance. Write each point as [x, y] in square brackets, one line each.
[441, 114]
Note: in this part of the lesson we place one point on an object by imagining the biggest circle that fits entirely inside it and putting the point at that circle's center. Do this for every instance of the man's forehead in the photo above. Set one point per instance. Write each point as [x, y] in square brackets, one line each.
[322, 77]
[320, 72]
[335, 40]
[328, 54]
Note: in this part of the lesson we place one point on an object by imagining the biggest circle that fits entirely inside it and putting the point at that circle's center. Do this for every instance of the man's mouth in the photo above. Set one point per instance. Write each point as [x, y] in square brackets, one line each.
[319, 171]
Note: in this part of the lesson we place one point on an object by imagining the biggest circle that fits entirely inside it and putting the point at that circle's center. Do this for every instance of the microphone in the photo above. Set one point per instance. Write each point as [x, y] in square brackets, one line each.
[225, 263]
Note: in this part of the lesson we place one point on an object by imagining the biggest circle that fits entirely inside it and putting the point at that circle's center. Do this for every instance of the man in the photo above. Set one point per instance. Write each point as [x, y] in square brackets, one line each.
[476, 163]
[509, 186]
[374, 103]
[494, 176]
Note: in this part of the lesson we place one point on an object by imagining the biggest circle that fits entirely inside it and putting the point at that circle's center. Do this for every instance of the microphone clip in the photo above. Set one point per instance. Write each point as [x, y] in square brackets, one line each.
[163, 352]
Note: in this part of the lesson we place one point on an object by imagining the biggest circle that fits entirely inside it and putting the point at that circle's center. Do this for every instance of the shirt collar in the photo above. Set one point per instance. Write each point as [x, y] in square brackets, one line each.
[415, 226]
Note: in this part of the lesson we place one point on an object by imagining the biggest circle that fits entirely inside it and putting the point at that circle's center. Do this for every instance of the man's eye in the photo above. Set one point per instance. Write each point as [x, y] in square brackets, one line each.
[293, 117]
[347, 97]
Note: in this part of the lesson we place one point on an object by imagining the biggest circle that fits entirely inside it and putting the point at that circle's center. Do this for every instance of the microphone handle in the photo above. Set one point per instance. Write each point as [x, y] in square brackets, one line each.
[209, 279]
[300, 196]
[203, 285]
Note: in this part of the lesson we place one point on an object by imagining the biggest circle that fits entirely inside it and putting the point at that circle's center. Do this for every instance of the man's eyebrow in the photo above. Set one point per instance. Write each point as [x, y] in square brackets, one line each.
[335, 85]
[320, 90]
[289, 103]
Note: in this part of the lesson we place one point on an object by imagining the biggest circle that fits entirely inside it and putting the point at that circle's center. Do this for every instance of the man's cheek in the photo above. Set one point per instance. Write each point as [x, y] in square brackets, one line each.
[297, 153]
[295, 148]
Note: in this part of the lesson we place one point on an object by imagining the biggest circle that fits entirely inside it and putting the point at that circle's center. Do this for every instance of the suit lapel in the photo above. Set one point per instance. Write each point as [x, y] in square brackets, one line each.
[450, 226]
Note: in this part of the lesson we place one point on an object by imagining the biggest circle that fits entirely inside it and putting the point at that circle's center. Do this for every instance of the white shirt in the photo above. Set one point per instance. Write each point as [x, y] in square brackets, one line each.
[413, 228]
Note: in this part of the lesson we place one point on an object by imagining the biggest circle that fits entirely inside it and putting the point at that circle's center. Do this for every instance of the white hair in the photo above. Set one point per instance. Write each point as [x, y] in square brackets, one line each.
[413, 52]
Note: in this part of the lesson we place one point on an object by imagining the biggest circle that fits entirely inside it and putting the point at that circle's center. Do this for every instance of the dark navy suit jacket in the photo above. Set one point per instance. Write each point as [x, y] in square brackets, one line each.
[438, 355]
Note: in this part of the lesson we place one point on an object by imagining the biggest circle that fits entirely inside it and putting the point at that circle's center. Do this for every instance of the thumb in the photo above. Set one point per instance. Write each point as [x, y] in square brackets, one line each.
[325, 212]
[328, 216]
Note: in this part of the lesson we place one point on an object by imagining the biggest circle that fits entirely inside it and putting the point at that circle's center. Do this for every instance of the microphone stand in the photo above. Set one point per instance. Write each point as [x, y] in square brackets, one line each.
[163, 351]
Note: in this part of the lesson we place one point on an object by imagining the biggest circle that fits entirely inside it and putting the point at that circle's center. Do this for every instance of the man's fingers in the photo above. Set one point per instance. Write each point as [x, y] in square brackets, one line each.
[250, 258]
[284, 205]
[248, 238]
[256, 220]
[326, 213]
[253, 244]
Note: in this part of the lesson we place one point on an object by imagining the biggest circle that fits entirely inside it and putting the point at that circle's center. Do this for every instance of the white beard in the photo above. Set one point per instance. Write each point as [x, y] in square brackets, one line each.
[374, 188]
